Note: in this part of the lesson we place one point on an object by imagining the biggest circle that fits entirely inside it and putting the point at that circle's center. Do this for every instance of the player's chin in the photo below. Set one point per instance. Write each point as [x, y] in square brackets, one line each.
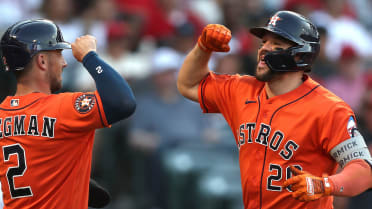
[264, 74]
[261, 70]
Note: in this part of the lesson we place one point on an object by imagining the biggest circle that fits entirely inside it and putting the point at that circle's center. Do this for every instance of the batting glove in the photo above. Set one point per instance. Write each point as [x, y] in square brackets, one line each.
[215, 38]
[307, 187]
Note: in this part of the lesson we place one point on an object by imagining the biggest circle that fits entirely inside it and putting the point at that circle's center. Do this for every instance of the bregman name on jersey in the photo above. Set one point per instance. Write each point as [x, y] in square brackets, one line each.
[16, 126]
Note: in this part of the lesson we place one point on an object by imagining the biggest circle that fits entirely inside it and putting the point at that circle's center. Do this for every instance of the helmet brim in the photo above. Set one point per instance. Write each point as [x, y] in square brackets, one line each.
[60, 45]
[261, 31]
[63, 45]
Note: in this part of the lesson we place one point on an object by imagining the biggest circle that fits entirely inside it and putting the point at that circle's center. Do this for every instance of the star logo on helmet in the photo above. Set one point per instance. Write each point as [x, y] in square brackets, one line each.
[273, 20]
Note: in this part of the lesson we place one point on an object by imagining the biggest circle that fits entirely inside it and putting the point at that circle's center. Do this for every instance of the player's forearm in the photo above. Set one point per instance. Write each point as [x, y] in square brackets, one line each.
[354, 179]
[117, 97]
[193, 70]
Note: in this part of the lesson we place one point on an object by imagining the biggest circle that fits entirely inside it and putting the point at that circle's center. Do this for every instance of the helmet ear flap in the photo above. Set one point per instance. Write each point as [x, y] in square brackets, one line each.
[16, 57]
[280, 61]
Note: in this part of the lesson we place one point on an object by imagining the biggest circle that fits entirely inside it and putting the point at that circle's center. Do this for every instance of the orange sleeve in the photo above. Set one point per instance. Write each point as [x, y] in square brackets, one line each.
[206, 99]
[340, 120]
[81, 111]
[216, 92]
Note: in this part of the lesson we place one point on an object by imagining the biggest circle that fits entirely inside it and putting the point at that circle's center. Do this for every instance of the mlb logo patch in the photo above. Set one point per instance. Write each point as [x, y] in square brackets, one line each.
[14, 102]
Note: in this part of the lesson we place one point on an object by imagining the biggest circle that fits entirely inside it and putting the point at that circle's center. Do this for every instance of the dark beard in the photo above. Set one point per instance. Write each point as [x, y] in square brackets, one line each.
[55, 85]
[55, 88]
[268, 76]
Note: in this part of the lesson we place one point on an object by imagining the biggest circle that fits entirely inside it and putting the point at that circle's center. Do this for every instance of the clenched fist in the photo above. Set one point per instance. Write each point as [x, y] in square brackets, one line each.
[83, 45]
[215, 38]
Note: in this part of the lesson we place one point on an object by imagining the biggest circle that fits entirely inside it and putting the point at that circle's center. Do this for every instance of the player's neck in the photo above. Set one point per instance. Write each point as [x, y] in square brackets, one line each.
[283, 84]
[33, 80]
[24, 89]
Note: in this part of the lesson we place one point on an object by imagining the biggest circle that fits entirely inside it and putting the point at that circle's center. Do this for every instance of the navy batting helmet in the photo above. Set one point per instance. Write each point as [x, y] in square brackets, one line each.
[24, 39]
[297, 29]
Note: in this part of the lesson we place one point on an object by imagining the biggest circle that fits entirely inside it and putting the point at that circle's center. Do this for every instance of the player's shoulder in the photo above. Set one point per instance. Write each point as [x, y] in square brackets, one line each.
[58, 96]
[241, 85]
[323, 94]
[83, 102]
[328, 100]
[238, 78]
[67, 96]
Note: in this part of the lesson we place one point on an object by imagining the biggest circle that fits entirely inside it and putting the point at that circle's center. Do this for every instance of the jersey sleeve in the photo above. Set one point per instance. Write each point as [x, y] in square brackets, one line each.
[81, 112]
[215, 92]
[338, 126]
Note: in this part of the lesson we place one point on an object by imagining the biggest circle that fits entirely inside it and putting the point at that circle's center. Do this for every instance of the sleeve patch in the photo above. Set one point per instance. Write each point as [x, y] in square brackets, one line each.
[85, 103]
[351, 126]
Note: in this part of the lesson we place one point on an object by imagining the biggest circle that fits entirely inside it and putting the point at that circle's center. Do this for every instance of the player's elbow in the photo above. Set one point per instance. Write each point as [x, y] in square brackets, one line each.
[190, 92]
[122, 109]
[128, 107]
[181, 87]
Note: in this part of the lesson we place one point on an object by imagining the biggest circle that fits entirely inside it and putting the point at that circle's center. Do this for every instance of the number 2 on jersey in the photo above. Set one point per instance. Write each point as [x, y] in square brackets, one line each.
[16, 149]
[277, 175]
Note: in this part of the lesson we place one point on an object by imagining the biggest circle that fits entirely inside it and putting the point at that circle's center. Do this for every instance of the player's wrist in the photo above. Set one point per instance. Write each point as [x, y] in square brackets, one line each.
[328, 185]
[202, 46]
[88, 55]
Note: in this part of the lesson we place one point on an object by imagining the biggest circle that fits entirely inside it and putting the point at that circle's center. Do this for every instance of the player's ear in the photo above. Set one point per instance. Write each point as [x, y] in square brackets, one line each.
[41, 60]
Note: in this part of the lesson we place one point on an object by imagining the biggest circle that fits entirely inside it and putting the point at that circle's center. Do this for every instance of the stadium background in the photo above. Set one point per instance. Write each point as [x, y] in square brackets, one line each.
[168, 155]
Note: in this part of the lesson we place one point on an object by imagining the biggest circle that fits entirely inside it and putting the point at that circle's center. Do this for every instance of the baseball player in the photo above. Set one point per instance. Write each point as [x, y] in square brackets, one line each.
[290, 131]
[99, 197]
[46, 139]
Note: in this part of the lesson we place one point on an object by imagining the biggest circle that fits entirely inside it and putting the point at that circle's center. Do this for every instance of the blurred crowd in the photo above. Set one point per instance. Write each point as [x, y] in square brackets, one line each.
[169, 155]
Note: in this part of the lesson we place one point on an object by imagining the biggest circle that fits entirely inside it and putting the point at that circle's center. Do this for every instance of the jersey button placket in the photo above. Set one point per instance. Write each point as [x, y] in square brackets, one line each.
[264, 114]
[267, 106]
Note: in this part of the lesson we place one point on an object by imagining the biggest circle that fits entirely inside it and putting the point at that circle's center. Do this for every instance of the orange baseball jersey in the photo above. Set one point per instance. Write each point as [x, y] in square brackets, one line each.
[46, 143]
[298, 128]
